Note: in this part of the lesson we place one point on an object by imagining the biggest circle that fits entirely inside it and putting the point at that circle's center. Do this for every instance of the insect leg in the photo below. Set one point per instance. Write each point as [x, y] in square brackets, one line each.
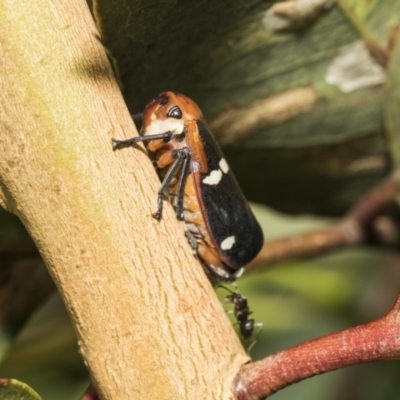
[192, 241]
[180, 155]
[229, 290]
[182, 183]
[258, 325]
[118, 144]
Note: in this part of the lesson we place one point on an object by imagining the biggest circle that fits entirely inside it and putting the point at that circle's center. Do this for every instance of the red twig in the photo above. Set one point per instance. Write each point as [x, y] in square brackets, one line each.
[378, 340]
[90, 394]
[355, 228]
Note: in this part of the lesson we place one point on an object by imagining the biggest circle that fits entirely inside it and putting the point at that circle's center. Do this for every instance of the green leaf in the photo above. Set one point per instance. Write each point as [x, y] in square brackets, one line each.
[11, 389]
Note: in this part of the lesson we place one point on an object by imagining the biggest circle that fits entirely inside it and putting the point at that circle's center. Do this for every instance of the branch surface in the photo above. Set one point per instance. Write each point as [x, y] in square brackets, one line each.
[147, 319]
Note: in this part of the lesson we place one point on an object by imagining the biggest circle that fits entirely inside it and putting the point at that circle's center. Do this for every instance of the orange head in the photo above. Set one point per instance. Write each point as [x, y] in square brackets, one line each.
[168, 112]
[170, 105]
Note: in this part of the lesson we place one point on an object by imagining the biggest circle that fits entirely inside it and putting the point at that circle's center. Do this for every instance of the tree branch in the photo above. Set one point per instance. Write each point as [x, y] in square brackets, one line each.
[147, 319]
[356, 227]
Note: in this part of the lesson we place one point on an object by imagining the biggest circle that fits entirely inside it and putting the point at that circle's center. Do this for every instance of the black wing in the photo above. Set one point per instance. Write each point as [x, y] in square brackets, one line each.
[230, 221]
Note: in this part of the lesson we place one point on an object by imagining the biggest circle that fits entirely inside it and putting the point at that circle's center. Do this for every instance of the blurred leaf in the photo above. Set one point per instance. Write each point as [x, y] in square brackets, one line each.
[45, 355]
[374, 20]
[11, 389]
[325, 283]
[229, 57]
[393, 102]
[11, 230]
[24, 280]
[277, 225]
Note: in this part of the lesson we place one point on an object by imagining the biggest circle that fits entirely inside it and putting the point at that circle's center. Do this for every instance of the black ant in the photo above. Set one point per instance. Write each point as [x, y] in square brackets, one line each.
[242, 313]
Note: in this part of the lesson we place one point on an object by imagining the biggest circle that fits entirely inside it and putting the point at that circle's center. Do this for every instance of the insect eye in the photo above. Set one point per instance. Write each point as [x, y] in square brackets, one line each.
[174, 112]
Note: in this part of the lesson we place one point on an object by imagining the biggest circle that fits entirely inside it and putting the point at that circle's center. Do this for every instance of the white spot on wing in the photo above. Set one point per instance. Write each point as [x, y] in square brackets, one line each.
[224, 166]
[214, 177]
[239, 273]
[227, 243]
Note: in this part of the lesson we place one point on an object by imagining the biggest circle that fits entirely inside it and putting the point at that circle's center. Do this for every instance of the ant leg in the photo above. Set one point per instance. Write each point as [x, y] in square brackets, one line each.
[258, 325]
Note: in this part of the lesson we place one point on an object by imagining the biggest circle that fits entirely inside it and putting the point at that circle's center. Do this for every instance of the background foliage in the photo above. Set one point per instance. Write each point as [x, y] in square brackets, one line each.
[319, 159]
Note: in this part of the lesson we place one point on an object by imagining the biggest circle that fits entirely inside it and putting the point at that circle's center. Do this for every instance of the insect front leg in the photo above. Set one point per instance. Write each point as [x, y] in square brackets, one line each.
[181, 155]
[119, 144]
